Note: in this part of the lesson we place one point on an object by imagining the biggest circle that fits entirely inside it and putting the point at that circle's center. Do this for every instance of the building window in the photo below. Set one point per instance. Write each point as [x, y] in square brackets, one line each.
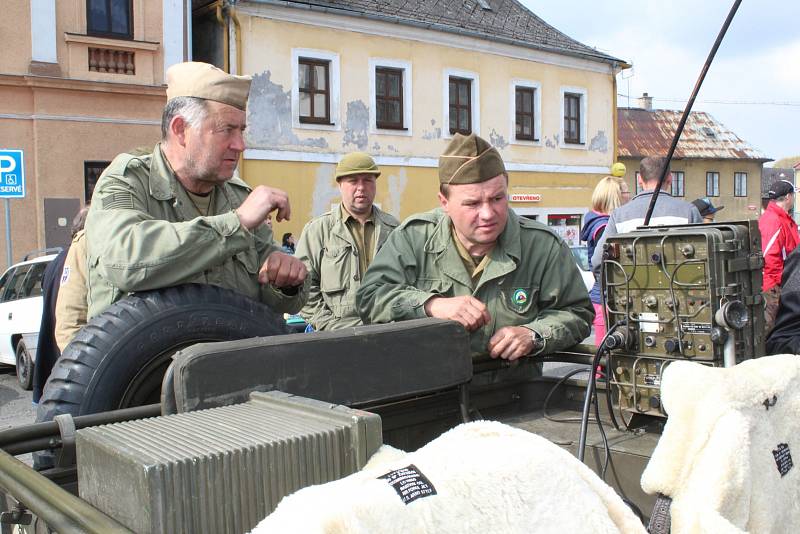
[712, 184]
[389, 98]
[91, 173]
[572, 118]
[677, 184]
[525, 124]
[314, 88]
[109, 18]
[460, 105]
[740, 184]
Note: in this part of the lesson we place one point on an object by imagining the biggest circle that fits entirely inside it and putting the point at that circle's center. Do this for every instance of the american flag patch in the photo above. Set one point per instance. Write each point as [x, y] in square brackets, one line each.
[118, 201]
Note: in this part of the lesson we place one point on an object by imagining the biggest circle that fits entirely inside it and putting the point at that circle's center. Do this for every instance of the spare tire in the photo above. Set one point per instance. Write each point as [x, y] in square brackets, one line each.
[119, 358]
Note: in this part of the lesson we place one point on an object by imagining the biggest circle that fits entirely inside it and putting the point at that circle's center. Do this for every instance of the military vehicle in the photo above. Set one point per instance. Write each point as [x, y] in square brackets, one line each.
[153, 432]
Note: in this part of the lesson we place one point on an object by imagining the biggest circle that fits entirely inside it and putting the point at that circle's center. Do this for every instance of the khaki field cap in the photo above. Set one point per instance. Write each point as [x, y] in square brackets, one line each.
[202, 80]
[469, 159]
[356, 163]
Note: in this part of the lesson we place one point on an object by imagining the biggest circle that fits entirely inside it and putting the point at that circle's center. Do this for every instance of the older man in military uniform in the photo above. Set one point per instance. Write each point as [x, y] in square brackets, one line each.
[178, 215]
[511, 282]
[338, 246]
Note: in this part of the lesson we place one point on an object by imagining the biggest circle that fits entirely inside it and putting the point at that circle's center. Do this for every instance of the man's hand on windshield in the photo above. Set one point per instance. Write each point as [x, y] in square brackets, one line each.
[282, 270]
[260, 202]
[467, 310]
[511, 342]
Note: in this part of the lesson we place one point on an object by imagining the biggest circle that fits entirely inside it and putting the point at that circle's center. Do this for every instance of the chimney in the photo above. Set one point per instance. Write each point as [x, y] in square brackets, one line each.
[645, 102]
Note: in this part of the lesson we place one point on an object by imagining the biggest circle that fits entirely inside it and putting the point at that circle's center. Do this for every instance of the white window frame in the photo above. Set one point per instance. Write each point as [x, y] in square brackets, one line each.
[584, 93]
[537, 112]
[736, 174]
[405, 66]
[333, 74]
[475, 109]
[675, 181]
[715, 174]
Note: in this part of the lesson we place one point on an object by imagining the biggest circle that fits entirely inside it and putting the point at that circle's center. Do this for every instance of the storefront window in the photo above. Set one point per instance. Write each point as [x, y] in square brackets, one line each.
[568, 226]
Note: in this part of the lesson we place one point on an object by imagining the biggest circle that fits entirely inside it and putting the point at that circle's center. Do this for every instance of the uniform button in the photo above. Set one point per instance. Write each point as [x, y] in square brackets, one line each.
[355, 277]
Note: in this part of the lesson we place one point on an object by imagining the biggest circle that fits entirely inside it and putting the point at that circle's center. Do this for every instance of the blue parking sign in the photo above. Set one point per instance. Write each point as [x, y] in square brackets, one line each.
[12, 174]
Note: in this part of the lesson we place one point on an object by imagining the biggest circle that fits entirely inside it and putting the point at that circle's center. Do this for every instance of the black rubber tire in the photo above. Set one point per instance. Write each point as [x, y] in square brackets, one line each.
[24, 367]
[119, 358]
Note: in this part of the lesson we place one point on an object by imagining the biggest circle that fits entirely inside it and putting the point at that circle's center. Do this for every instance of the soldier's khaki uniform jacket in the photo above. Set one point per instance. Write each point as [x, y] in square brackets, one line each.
[143, 232]
[329, 251]
[531, 280]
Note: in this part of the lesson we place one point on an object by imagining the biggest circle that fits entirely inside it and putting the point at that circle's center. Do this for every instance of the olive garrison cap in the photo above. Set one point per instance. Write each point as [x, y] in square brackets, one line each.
[201, 80]
[469, 159]
[356, 163]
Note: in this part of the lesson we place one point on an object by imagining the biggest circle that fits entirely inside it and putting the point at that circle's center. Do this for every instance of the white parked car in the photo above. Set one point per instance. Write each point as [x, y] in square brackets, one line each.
[581, 254]
[21, 314]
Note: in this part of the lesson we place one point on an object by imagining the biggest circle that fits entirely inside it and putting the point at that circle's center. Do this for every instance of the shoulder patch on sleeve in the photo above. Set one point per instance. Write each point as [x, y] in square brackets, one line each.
[117, 201]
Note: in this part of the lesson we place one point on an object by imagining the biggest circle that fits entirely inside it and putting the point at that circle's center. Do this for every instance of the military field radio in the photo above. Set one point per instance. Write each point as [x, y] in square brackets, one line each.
[686, 292]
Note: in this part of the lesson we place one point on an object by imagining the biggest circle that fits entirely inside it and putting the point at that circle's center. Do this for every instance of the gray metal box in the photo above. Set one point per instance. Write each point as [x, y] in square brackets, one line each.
[220, 470]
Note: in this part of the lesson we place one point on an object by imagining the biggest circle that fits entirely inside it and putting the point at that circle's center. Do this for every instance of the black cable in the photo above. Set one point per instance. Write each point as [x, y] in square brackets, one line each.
[603, 435]
[550, 394]
[590, 389]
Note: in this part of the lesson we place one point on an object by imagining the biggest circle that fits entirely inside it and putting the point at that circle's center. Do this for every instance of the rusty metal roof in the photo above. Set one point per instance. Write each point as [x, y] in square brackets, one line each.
[645, 133]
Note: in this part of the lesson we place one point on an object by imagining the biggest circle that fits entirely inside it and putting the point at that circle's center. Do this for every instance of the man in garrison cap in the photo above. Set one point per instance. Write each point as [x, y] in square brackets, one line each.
[179, 215]
[338, 246]
[510, 281]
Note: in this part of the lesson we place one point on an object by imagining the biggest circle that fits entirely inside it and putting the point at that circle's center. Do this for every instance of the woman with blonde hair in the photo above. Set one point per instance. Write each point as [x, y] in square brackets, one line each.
[609, 194]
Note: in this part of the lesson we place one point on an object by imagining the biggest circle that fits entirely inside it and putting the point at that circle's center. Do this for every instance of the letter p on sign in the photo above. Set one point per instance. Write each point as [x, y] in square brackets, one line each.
[7, 164]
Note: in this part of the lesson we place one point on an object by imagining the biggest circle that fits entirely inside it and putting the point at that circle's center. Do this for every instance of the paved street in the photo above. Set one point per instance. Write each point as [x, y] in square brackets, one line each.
[15, 403]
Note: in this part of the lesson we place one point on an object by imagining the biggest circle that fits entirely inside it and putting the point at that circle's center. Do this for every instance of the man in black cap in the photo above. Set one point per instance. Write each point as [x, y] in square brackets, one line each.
[779, 238]
[706, 209]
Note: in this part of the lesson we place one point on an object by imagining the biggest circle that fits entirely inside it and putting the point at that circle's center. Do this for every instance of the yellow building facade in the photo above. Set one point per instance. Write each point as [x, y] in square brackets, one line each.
[550, 178]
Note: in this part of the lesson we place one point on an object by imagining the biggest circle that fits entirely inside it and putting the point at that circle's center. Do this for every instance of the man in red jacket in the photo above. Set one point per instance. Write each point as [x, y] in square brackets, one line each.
[779, 237]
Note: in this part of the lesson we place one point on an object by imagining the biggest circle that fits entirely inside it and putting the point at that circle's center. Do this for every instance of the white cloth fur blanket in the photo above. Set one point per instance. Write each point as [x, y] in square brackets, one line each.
[715, 458]
[488, 478]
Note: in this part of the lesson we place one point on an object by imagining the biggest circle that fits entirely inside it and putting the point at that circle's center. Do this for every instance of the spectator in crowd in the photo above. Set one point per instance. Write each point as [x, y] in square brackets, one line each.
[287, 243]
[511, 282]
[706, 209]
[779, 238]
[338, 246]
[48, 350]
[180, 216]
[71, 306]
[609, 194]
[668, 210]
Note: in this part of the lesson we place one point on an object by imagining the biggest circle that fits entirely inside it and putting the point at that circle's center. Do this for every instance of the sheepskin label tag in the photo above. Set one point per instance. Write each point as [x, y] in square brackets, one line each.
[409, 483]
[783, 458]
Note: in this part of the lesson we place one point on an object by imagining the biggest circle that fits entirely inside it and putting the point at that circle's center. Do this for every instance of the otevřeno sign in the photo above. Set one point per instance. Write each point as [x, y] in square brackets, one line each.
[12, 174]
[525, 197]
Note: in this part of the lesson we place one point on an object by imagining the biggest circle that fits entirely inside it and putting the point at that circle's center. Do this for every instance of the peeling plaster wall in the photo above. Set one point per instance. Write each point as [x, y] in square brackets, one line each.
[599, 142]
[269, 117]
[357, 125]
[397, 187]
[267, 46]
[325, 191]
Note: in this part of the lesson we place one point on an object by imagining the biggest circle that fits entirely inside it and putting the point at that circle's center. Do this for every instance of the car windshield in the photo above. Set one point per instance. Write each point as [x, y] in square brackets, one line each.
[581, 257]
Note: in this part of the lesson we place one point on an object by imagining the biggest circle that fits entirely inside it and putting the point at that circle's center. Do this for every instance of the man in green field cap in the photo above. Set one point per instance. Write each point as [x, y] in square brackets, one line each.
[178, 215]
[510, 281]
[338, 246]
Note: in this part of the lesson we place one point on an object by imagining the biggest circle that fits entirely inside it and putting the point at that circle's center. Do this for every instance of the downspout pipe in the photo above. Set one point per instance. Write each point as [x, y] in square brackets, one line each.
[237, 32]
[225, 42]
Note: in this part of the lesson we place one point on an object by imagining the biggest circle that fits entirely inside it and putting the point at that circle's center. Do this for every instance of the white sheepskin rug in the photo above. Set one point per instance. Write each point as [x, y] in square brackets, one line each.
[726, 457]
[482, 477]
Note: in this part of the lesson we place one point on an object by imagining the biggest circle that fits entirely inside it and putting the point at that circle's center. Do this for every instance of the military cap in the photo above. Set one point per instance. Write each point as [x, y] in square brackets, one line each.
[356, 163]
[201, 80]
[618, 169]
[469, 159]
